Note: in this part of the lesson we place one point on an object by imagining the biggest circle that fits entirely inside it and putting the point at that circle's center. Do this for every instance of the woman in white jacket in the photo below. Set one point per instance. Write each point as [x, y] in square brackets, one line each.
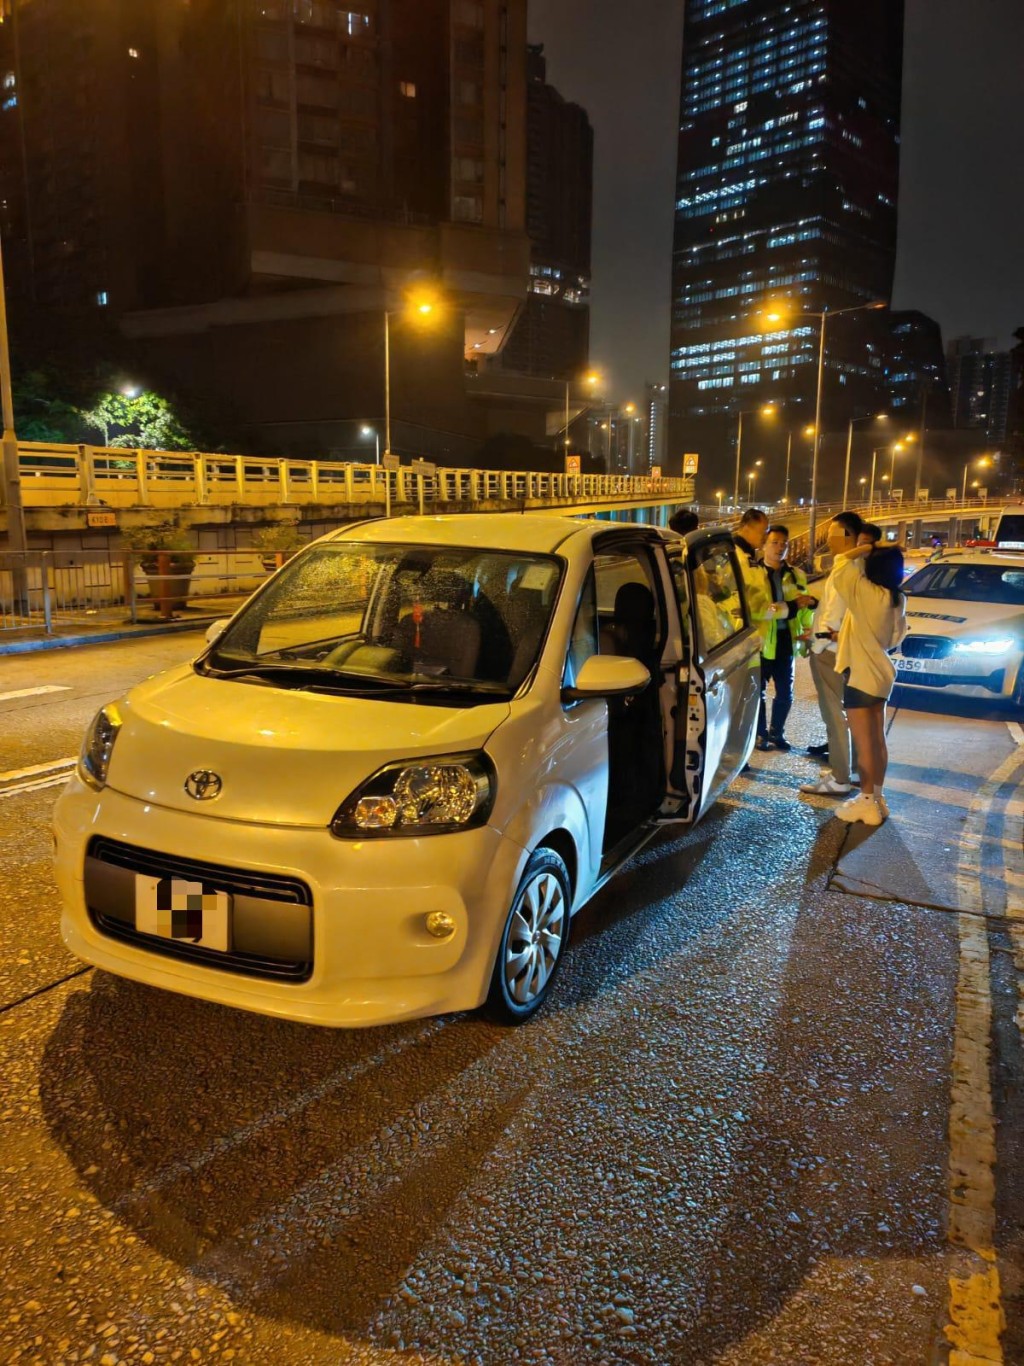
[868, 581]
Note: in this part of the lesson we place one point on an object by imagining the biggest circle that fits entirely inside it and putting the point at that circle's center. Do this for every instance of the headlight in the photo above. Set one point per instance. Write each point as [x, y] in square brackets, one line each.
[996, 645]
[94, 760]
[420, 797]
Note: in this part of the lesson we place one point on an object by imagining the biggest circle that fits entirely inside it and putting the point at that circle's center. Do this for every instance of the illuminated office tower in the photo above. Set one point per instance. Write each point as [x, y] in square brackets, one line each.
[787, 184]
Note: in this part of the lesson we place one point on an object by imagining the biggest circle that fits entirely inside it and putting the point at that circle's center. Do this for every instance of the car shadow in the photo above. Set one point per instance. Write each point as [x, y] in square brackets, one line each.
[941, 704]
[261, 1154]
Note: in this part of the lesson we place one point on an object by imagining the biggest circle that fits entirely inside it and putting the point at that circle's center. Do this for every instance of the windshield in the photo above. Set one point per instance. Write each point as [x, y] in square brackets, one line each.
[1010, 532]
[993, 583]
[394, 615]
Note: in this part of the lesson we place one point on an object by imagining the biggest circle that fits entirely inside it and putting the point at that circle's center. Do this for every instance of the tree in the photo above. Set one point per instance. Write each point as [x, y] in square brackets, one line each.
[41, 413]
[142, 421]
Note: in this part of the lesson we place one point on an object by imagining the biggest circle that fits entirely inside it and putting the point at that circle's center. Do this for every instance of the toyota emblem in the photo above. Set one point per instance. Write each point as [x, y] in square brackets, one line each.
[203, 785]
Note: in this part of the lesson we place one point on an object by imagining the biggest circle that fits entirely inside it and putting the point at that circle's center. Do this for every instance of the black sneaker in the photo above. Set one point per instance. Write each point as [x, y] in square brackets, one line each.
[818, 751]
[780, 743]
[763, 744]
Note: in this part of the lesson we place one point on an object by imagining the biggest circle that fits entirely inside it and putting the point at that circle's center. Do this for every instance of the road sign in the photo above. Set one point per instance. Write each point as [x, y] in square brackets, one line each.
[951, 494]
[655, 471]
[391, 462]
[573, 464]
[897, 495]
[690, 462]
[922, 495]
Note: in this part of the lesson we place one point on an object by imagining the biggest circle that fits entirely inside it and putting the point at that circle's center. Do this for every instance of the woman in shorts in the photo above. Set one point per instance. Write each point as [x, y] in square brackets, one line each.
[868, 581]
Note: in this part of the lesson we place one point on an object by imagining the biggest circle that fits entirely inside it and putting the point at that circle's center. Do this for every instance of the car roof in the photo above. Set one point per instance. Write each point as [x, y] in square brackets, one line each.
[529, 532]
[1007, 558]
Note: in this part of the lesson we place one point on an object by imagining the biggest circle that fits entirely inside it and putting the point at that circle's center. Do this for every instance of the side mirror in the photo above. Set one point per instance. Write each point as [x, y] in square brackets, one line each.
[217, 629]
[608, 676]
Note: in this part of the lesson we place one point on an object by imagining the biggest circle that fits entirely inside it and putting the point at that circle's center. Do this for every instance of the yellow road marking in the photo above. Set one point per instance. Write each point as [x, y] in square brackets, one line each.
[975, 1319]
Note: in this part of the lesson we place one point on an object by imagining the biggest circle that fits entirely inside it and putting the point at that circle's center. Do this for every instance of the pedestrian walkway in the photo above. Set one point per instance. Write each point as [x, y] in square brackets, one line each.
[102, 630]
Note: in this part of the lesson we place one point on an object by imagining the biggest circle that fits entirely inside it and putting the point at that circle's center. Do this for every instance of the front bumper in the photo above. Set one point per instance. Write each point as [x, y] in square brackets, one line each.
[372, 960]
[990, 677]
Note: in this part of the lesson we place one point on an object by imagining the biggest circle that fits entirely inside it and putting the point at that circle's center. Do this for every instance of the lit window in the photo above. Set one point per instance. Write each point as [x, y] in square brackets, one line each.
[133, 52]
[102, 298]
[408, 89]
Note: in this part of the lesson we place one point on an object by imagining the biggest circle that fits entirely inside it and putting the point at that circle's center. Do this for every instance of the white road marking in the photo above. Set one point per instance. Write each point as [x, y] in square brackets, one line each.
[14, 774]
[32, 692]
[36, 777]
[1016, 731]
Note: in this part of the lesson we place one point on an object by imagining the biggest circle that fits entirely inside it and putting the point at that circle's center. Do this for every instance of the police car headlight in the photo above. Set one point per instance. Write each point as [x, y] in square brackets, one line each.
[433, 796]
[989, 645]
[98, 746]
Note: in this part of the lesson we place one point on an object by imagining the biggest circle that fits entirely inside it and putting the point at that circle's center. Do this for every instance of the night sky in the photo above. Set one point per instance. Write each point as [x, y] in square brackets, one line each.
[961, 247]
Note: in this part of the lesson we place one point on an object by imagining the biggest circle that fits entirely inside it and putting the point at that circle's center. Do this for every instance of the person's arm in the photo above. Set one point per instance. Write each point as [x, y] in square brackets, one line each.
[850, 581]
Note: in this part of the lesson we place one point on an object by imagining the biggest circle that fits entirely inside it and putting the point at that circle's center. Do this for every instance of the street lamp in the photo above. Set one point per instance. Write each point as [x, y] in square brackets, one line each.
[751, 476]
[982, 463]
[897, 448]
[720, 494]
[16, 538]
[872, 417]
[372, 431]
[807, 431]
[422, 307]
[591, 379]
[822, 316]
[766, 410]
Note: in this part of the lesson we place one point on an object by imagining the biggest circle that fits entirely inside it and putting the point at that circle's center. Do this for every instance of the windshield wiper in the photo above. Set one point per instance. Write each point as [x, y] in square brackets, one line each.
[308, 675]
[453, 685]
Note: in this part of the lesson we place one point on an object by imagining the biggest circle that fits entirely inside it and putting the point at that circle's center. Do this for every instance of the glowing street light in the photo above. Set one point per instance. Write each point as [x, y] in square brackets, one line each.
[591, 379]
[981, 463]
[720, 494]
[872, 417]
[367, 432]
[766, 410]
[422, 306]
[776, 316]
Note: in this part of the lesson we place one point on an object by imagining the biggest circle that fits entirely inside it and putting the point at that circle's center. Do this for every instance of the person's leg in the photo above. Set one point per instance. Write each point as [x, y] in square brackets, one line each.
[863, 728]
[829, 686]
[882, 747]
[784, 668]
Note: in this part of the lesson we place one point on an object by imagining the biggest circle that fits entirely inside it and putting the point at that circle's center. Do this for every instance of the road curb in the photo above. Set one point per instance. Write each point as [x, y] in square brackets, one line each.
[26, 647]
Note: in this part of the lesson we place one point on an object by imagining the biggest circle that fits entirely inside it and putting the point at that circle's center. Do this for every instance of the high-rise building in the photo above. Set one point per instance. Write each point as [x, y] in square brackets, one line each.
[246, 185]
[981, 384]
[656, 424]
[786, 192]
[551, 337]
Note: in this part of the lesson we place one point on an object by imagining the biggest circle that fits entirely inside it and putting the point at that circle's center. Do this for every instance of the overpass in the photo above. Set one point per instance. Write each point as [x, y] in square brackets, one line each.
[78, 488]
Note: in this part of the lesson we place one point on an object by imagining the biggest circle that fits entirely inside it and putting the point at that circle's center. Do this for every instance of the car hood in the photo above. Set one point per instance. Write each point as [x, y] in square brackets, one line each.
[950, 617]
[283, 757]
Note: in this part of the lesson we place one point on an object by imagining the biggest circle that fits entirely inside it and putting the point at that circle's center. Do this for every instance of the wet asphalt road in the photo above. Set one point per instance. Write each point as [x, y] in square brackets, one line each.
[727, 1140]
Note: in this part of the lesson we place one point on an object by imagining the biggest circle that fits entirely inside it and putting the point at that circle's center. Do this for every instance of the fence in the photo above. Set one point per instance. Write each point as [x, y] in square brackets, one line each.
[86, 475]
[56, 590]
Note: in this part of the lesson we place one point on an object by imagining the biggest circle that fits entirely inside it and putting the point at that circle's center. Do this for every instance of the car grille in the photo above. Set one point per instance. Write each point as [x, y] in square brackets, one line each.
[926, 647]
[264, 887]
[993, 682]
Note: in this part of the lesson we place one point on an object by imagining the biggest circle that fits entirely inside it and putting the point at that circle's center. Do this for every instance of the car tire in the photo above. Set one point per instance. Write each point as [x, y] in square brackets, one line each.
[532, 942]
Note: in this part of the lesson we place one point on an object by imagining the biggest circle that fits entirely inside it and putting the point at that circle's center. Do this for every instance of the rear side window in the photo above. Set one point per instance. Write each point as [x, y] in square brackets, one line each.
[716, 598]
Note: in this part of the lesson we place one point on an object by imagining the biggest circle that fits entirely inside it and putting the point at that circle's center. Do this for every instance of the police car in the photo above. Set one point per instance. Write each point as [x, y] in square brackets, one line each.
[965, 614]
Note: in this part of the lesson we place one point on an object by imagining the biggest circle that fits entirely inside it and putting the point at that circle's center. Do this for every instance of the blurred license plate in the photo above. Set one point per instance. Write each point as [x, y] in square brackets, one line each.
[917, 666]
[176, 908]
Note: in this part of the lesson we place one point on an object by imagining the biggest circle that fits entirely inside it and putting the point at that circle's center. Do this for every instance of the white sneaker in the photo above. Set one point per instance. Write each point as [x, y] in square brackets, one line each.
[867, 810]
[826, 787]
[883, 804]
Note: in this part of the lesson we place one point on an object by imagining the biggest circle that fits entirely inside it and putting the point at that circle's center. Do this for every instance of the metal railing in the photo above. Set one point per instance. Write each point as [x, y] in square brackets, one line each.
[89, 475]
[54, 591]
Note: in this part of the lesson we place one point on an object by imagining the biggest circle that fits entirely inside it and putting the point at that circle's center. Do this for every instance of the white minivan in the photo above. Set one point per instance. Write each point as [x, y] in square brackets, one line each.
[389, 782]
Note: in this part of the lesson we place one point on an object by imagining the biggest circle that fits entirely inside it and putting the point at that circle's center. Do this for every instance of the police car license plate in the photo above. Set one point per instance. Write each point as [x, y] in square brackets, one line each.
[176, 908]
